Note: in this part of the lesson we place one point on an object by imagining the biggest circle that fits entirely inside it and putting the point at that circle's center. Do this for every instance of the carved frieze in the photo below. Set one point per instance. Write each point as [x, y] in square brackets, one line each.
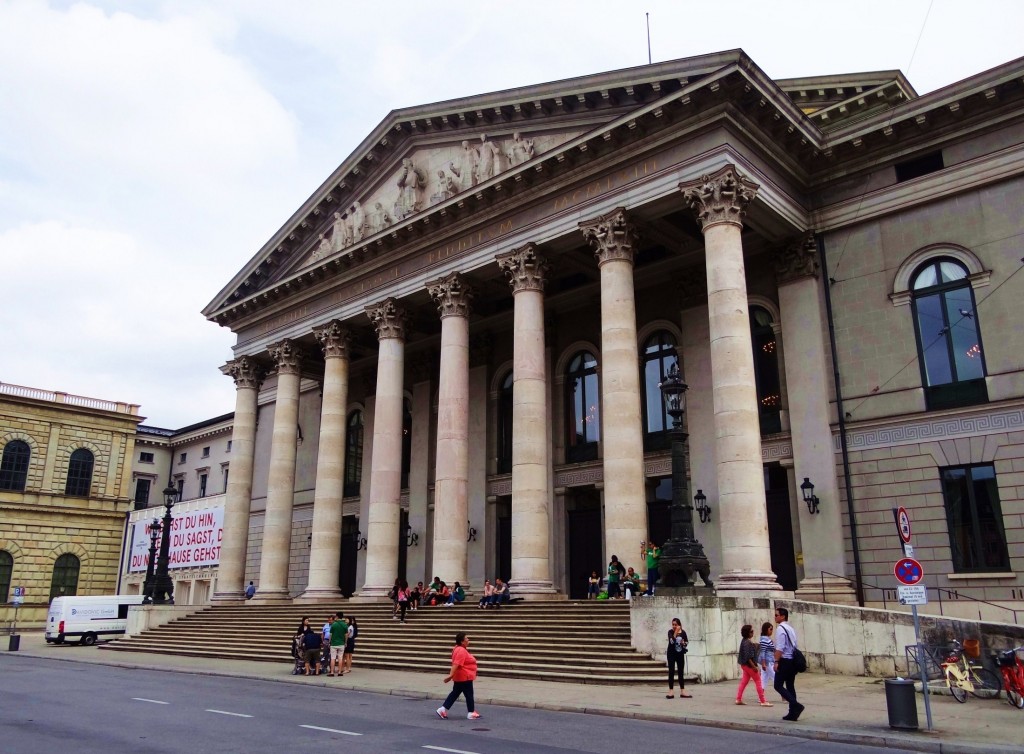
[525, 268]
[719, 198]
[388, 318]
[612, 236]
[287, 356]
[333, 338]
[451, 294]
[246, 372]
[797, 260]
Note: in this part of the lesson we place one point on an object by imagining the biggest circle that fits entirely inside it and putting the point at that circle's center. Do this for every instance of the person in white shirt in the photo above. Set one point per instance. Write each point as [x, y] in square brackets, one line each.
[785, 673]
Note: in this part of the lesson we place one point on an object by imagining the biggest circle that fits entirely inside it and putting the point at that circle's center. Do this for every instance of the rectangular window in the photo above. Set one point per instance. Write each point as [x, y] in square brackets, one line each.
[145, 458]
[976, 538]
[229, 446]
[915, 168]
[180, 484]
[206, 452]
[182, 457]
[142, 493]
[202, 485]
[226, 471]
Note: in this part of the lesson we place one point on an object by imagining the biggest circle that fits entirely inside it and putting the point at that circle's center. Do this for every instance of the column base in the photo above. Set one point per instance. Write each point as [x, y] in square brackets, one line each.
[320, 595]
[831, 590]
[268, 597]
[534, 590]
[747, 581]
[376, 592]
[227, 598]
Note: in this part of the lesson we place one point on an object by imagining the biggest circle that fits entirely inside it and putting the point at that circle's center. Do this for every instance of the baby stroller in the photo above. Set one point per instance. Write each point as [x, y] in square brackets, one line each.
[300, 666]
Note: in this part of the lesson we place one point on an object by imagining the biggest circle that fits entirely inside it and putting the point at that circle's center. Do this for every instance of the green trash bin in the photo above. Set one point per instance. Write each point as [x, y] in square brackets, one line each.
[15, 643]
[901, 703]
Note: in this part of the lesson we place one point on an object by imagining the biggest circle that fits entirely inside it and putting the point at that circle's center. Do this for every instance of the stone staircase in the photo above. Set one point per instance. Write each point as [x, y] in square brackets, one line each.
[577, 641]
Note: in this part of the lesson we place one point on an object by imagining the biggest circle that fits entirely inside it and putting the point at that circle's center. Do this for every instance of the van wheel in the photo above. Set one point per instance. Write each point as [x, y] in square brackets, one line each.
[89, 639]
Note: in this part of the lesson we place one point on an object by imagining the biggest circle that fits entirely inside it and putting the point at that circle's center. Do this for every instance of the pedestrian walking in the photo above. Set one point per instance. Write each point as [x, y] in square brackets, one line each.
[785, 672]
[766, 655]
[403, 600]
[747, 659]
[462, 675]
[676, 656]
[250, 591]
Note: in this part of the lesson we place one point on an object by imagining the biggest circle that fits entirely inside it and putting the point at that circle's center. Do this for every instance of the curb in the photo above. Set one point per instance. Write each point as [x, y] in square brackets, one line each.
[879, 740]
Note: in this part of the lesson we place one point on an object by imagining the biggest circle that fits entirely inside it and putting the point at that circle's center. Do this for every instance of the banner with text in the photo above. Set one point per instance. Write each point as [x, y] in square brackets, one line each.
[195, 540]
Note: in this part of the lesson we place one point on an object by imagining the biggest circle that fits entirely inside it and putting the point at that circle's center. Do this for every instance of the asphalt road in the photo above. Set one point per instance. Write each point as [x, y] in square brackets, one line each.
[54, 707]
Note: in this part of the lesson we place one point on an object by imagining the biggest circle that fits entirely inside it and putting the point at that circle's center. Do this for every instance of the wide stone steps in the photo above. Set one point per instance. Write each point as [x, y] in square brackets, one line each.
[566, 641]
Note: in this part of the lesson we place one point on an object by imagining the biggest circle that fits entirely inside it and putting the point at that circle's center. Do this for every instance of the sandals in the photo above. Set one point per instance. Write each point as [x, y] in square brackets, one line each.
[767, 704]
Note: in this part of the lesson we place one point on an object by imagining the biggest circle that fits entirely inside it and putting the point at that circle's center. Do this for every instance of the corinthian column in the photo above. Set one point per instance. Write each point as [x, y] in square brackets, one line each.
[231, 572]
[325, 545]
[386, 466]
[806, 364]
[613, 238]
[451, 478]
[720, 201]
[277, 523]
[531, 437]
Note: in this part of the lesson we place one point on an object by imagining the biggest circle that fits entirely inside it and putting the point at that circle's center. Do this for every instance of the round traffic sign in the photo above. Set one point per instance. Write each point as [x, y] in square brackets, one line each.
[903, 524]
[908, 571]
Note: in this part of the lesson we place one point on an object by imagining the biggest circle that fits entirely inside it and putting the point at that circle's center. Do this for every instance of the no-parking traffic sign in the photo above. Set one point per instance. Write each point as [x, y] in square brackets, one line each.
[908, 571]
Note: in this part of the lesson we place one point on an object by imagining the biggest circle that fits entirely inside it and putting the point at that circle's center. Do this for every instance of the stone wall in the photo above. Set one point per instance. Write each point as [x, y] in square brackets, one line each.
[837, 639]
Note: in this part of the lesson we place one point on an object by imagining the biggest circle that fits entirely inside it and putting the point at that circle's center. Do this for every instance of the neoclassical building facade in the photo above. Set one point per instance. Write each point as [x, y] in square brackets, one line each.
[448, 358]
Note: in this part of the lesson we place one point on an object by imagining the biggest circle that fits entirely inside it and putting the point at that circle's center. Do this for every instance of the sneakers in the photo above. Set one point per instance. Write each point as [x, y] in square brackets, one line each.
[442, 713]
[473, 716]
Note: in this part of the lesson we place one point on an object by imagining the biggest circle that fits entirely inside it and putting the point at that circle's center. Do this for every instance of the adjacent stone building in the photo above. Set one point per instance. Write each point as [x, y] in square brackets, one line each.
[65, 487]
[448, 357]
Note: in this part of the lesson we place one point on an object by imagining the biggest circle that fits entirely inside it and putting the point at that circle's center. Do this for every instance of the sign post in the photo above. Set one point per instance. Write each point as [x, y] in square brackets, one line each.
[17, 599]
[912, 592]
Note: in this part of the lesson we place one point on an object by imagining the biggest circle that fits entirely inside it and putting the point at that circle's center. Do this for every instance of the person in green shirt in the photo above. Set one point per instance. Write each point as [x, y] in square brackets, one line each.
[339, 633]
[615, 572]
[653, 559]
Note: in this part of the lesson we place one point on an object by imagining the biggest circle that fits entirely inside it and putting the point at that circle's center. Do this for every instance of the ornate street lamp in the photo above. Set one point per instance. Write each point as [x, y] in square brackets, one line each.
[807, 488]
[147, 587]
[682, 555]
[700, 502]
[163, 586]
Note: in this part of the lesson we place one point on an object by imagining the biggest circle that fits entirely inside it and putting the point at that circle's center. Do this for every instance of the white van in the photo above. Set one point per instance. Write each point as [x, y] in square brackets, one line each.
[88, 618]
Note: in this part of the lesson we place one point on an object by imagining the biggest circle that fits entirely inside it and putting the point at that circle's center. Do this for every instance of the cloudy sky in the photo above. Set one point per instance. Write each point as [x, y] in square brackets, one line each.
[148, 149]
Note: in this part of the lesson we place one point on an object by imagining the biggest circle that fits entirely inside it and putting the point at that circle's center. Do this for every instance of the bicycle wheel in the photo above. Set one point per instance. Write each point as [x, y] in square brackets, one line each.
[958, 693]
[986, 683]
[1014, 698]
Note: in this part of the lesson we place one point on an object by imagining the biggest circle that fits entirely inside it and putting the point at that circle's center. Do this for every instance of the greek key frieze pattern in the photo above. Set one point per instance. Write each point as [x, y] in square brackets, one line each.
[776, 451]
[939, 428]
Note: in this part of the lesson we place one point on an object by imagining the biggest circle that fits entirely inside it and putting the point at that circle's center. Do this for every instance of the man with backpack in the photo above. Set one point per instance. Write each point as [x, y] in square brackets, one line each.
[785, 675]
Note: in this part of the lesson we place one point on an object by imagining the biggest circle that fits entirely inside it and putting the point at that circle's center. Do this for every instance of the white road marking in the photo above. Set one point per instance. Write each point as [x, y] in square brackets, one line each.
[453, 751]
[331, 730]
[151, 701]
[222, 712]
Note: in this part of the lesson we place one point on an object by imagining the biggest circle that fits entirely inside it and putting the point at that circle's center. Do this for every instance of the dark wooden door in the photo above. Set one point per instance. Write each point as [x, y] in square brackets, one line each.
[349, 543]
[780, 526]
[585, 546]
[503, 540]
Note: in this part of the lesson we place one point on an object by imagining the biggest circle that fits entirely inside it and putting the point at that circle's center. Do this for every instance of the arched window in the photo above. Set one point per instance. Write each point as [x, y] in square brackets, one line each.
[406, 441]
[658, 356]
[583, 418]
[65, 576]
[14, 466]
[505, 426]
[353, 453]
[6, 569]
[766, 370]
[79, 473]
[948, 341]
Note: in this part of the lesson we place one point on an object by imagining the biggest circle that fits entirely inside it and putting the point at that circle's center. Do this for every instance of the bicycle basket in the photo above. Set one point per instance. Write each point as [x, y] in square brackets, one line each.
[972, 648]
[1006, 659]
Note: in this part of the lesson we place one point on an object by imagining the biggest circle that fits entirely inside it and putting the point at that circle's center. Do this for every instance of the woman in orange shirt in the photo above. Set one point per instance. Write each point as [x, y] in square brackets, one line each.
[462, 674]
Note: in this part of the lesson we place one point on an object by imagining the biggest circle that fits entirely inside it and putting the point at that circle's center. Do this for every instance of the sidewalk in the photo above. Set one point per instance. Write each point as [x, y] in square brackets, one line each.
[839, 708]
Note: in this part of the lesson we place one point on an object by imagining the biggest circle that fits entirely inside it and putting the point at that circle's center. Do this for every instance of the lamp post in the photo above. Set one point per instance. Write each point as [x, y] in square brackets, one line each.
[163, 587]
[682, 555]
[147, 587]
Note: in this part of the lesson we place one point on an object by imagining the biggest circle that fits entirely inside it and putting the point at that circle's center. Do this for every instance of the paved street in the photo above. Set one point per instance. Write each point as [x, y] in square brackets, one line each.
[52, 706]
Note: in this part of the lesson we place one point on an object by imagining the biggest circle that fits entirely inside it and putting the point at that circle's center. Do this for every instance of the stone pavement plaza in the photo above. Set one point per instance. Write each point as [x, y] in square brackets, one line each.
[839, 708]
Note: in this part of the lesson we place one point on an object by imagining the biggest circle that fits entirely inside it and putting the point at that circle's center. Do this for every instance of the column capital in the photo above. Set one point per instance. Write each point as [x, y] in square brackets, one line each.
[246, 372]
[287, 356]
[719, 198]
[612, 236]
[389, 319]
[797, 260]
[452, 295]
[333, 338]
[525, 268]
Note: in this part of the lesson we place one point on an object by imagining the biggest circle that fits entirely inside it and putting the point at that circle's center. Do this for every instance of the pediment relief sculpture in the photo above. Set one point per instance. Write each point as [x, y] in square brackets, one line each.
[427, 177]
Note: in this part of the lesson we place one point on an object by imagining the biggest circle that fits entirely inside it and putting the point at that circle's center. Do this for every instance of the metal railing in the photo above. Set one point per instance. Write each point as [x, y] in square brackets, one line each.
[951, 595]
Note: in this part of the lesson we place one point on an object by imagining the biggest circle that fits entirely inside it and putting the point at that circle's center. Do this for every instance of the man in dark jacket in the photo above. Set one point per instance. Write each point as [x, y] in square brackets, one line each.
[312, 645]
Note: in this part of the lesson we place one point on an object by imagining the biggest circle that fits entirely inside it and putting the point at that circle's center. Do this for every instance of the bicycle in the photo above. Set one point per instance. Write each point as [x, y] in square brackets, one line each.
[1013, 676]
[963, 676]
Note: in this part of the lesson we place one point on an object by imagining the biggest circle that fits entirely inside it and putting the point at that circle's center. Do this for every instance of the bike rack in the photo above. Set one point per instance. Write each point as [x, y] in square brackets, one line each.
[934, 655]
